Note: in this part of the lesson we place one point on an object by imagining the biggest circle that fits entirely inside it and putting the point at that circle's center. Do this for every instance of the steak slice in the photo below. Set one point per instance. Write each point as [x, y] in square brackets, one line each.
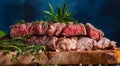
[66, 44]
[85, 44]
[52, 29]
[105, 43]
[18, 30]
[41, 40]
[40, 29]
[51, 45]
[74, 30]
[60, 28]
[93, 32]
[30, 27]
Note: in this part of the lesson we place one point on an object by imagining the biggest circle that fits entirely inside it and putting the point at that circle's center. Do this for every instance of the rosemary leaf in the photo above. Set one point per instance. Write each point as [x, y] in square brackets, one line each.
[47, 12]
[51, 9]
[59, 12]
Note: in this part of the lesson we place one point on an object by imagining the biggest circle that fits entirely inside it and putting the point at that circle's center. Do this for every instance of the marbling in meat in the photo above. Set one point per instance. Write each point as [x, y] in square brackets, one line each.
[66, 44]
[93, 32]
[40, 28]
[18, 30]
[85, 44]
[38, 40]
[105, 43]
[74, 30]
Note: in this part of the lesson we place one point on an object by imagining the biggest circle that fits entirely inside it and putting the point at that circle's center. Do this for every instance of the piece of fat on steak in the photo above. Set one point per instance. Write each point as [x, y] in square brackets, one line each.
[60, 28]
[93, 32]
[105, 43]
[85, 44]
[52, 28]
[66, 44]
[74, 30]
[51, 45]
[18, 30]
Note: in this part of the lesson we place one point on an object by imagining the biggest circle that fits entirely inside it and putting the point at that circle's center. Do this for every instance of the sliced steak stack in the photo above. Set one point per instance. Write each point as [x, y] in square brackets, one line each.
[63, 37]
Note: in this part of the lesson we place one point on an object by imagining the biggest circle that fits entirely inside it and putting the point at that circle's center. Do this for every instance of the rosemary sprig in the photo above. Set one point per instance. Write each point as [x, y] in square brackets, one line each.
[51, 13]
[62, 14]
[17, 45]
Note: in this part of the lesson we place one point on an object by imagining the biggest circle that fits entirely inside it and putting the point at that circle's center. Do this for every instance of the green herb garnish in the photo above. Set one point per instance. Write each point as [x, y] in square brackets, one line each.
[20, 22]
[62, 14]
[17, 45]
[14, 58]
[2, 33]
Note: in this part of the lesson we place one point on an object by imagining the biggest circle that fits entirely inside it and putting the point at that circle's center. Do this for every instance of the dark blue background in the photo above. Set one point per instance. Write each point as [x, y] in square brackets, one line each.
[104, 14]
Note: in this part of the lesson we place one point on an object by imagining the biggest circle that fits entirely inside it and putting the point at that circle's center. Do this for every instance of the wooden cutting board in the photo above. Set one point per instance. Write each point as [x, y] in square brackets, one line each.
[72, 57]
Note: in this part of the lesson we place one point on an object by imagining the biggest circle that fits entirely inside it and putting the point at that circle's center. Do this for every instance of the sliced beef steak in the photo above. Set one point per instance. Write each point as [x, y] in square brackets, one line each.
[51, 45]
[41, 40]
[18, 30]
[40, 28]
[52, 29]
[72, 43]
[66, 44]
[85, 43]
[55, 28]
[105, 43]
[30, 28]
[61, 37]
[93, 32]
[60, 28]
[74, 30]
